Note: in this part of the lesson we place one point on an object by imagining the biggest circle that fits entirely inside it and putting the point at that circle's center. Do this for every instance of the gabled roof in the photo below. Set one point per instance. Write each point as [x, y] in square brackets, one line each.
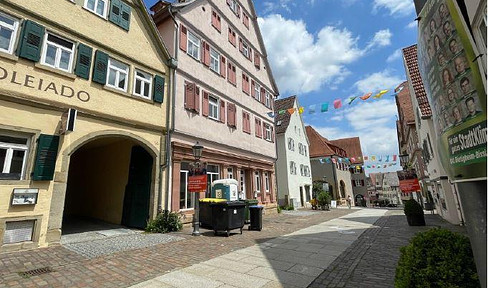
[352, 146]
[412, 67]
[320, 146]
[404, 103]
[283, 119]
[166, 8]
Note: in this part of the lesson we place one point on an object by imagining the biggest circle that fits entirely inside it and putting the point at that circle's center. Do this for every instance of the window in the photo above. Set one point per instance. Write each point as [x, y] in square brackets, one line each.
[142, 84]
[246, 122]
[357, 183]
[186, 198]
[234, 7]
[307, 171]
[291, 144]
[193, 46]
[98, 7]
[213, 107]
[13, 155]
[266, 181]
[57, 52]
[293, 168]
[267, 135]
[212, 175]
[302, 170]
[117, 74]
[268, 100]
[245, 49]
[304, 150]
[216, 20]
[257, 181]
[300, 148]
[230, 173]
[8, 31]
[257, 90]
[245, 20]
[231, 71]
[214, 60]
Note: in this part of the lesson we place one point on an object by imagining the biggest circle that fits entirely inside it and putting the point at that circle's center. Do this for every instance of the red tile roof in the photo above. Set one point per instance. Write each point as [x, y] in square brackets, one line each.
[412, 66]
[352, 147]
[321, 146]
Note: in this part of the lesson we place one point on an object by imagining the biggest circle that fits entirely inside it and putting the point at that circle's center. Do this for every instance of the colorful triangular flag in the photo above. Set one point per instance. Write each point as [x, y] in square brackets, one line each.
[324, 107]
[394, 158]
[334, 160]
[337, 103]
[377, 96]
[281, 112]
[365, 158]
[271, 114]
[300, 110]
[387, 158]
[321, 161]
[373, 158]
[291, 111]
[366, 96]
[380, 158]
[353, 159]
[327, 160]
[350, 99]
[311, 109]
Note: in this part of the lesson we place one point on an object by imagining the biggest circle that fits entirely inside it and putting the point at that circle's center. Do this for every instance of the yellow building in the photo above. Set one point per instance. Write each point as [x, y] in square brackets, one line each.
[83, 117]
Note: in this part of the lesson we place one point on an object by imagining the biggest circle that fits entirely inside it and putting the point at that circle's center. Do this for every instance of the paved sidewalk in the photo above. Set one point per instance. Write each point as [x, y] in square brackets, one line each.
[292, 260]
[71, 269]
[371, 260]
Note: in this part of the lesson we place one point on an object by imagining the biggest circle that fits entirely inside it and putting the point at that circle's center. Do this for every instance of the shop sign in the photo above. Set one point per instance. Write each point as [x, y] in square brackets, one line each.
[197, 183]
[38, 83]
[454, 86]
[408, 181]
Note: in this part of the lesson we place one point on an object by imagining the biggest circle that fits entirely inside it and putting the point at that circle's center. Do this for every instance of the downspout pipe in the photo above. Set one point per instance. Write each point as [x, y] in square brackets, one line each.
[173, 67]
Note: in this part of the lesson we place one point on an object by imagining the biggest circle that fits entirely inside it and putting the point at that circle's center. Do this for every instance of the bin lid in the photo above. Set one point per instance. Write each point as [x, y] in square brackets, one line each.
[212, 200]
[229, 203]
[225, 182]
[256, 206]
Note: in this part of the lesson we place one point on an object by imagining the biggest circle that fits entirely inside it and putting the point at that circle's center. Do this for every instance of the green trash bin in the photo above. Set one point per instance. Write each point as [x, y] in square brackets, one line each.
[249, 202]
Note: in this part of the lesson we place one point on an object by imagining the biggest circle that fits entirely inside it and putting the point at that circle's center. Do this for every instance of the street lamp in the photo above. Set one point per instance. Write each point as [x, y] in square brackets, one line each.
[197, 154]
[404, 158]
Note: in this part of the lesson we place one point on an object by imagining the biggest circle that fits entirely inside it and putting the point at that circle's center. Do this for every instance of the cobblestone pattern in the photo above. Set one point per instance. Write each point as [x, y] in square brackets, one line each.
[96, 248]
[372, 259]
[131, 267]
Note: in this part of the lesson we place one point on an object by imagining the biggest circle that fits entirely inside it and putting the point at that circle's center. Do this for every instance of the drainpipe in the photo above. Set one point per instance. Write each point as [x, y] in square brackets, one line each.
[173, 67]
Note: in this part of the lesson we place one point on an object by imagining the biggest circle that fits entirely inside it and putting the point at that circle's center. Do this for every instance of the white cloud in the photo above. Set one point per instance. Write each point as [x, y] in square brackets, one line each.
[378, 81]
[303, 62]
[275, 6]
[412, 25]
[396, 7]
[394, 56]
[381, 38]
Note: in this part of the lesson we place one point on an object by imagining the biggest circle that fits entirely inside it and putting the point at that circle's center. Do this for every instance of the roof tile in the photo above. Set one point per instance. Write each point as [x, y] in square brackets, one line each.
[411, 62]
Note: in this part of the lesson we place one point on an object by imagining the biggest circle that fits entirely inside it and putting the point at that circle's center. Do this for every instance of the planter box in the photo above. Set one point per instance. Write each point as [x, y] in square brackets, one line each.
[416, 220]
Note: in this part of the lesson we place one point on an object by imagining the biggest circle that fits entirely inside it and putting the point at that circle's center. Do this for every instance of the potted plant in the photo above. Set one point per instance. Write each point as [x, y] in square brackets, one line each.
[324, 200]
[414, 213]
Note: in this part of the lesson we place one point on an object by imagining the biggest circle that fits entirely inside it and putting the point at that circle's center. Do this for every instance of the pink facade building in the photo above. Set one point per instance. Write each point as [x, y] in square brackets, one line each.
[223, 92]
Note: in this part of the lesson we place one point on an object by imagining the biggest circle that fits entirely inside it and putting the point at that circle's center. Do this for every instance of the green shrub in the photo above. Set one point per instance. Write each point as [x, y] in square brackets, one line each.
[324, 198]
[412, 207]
[436, 258]
[279, 209]
[165, 222]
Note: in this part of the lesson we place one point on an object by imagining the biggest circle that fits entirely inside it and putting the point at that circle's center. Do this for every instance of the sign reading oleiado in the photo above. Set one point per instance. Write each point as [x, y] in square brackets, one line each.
[40, 84]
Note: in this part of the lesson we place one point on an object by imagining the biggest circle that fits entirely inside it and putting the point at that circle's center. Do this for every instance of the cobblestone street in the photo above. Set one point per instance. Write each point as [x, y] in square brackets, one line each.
[371, 260]
[368, 261]
[130, 267]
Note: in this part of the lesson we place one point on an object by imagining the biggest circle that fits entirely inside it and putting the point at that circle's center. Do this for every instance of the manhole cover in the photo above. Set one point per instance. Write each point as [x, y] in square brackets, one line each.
[36, 272]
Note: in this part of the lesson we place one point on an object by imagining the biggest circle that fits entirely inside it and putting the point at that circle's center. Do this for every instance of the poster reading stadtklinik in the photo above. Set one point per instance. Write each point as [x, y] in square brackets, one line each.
[455, 89]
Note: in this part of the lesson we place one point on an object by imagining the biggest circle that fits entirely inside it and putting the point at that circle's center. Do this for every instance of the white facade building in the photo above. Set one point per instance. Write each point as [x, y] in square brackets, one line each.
[294, 174]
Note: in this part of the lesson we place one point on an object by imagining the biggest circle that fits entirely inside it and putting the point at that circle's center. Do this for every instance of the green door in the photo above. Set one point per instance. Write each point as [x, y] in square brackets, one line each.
[138, 189]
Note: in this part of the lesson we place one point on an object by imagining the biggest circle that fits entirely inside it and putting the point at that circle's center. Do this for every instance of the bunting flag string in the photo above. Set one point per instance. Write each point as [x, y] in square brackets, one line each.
[324, 107]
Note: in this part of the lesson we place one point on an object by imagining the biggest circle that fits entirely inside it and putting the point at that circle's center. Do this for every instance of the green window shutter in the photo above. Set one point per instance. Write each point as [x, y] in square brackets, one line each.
[47, 151]
[158, 95]
[100, 67]
[125, 16]
[31, 41]
[115, 11]
[83, 61]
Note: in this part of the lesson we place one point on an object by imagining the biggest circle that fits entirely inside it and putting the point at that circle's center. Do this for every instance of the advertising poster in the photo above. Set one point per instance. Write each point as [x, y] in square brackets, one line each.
[455, 89]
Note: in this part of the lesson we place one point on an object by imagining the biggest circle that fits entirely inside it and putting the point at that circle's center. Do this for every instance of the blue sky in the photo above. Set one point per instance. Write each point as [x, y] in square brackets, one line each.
[322, 50]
